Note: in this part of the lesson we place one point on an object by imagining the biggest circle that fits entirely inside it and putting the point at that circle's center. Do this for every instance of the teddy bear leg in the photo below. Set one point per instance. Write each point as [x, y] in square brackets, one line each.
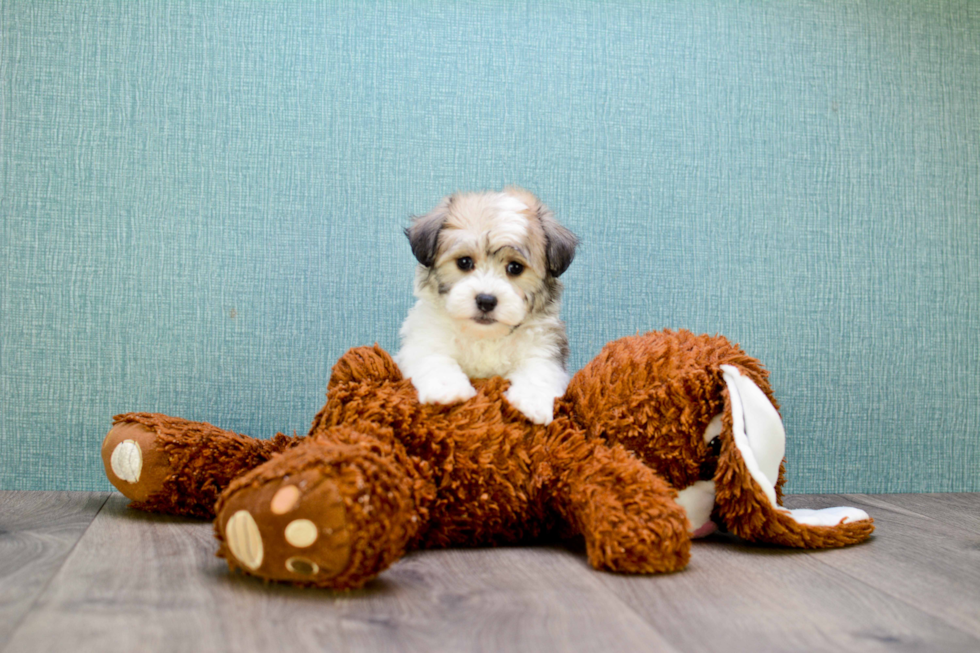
[172, 465]
[625, 511]
[325, 513]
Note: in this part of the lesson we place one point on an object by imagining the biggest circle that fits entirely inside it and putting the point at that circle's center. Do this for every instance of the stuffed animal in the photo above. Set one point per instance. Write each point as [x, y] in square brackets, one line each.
[661, 438]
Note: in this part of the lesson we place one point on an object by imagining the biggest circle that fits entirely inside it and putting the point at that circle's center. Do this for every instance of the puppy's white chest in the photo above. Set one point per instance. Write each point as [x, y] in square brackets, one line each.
[483, 358]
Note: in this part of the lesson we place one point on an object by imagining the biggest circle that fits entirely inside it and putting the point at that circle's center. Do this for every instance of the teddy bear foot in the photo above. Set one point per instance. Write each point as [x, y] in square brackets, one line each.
[303, 537]
[325, 513]
[134, 462]
[175, 466]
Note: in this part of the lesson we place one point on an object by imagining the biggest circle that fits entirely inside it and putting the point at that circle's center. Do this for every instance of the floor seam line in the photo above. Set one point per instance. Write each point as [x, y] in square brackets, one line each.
[47, 583]
[597, 582]
[888, 593]
[884, 498]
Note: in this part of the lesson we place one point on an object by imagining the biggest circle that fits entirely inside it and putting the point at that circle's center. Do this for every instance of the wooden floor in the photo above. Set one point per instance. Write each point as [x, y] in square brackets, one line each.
[81, 572]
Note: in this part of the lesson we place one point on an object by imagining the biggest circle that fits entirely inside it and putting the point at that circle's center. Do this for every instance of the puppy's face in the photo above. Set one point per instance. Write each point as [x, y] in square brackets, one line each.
[491, 259]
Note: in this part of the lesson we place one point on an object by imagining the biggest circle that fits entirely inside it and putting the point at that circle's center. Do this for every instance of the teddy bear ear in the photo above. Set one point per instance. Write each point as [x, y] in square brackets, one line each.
[753, 442]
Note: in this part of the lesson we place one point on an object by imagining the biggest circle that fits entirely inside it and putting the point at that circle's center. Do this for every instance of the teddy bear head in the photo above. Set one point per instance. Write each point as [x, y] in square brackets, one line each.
[700, 411]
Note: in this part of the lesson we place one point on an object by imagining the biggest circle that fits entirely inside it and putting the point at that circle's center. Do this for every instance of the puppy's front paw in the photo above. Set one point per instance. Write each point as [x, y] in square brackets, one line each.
[538, 405]
[443, 389]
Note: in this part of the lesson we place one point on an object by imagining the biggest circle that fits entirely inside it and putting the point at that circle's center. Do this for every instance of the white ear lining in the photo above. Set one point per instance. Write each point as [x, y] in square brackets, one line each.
[826, 516]
[763, 427]
[750, 415]
[761, 439]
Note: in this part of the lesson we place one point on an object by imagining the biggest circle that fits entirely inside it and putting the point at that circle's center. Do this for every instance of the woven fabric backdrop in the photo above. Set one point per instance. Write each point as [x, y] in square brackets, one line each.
[202, 205]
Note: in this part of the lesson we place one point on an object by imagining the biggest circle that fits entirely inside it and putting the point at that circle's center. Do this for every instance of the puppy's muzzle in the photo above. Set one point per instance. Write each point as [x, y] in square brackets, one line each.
[485, 302]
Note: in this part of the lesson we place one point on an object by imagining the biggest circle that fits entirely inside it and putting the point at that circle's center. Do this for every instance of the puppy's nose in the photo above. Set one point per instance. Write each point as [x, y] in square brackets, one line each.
[485, 303]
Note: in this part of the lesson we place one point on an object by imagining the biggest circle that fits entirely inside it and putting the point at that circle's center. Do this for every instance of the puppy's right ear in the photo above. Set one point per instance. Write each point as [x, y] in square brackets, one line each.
[423, 233]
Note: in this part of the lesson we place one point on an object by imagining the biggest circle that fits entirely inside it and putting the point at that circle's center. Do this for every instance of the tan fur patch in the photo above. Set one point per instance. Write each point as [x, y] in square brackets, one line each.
[478, 226]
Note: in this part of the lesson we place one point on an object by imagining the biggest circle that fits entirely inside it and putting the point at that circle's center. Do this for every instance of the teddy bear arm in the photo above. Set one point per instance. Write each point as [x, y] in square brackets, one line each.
[176, 466]
[364, 364]
[388, 405]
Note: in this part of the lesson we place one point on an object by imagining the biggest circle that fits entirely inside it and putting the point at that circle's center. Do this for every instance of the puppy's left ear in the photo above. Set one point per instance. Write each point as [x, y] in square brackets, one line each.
[560, 242]
[423, 233]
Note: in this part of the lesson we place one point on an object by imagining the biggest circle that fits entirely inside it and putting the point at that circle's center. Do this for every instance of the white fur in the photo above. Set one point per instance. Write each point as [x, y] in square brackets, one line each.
[443, 343]
[440, 355]
[509, 220]
[461, 300]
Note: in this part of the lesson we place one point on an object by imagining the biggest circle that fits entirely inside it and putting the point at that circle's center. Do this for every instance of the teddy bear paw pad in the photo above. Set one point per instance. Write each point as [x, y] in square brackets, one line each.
[293, 528]
[126, 461]
[134, 461]
[301, 533]
[244, 539]
[302, 566]
[284, 500]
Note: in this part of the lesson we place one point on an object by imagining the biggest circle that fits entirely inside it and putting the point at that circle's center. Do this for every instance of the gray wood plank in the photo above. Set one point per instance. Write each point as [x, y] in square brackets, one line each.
[134, 582]
[37, 532]
[510, 599]
[151, 583]
[959, 510]
[926, 559]
[737, 596]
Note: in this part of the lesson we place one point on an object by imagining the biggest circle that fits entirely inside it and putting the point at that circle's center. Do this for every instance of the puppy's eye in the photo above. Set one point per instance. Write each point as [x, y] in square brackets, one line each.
[514, 268]
[464, 263]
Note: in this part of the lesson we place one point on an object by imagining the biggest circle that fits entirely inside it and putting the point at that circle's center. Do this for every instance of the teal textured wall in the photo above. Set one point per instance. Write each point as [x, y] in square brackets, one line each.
[202, 205]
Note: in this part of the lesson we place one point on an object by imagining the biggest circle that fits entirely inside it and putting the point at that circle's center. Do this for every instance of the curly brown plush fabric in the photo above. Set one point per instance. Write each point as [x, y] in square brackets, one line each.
[380, 474]
[187, 464]
[661, 408]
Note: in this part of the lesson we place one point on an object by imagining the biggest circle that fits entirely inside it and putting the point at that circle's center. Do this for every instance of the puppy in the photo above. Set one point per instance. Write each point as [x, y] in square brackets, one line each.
[488, 300]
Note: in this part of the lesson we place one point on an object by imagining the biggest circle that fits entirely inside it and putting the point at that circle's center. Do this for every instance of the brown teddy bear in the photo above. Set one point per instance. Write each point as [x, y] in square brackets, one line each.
[659, 439]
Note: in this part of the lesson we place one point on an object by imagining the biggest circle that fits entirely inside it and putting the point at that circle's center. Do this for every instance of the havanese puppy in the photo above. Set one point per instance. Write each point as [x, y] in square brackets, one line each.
[488, 300]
